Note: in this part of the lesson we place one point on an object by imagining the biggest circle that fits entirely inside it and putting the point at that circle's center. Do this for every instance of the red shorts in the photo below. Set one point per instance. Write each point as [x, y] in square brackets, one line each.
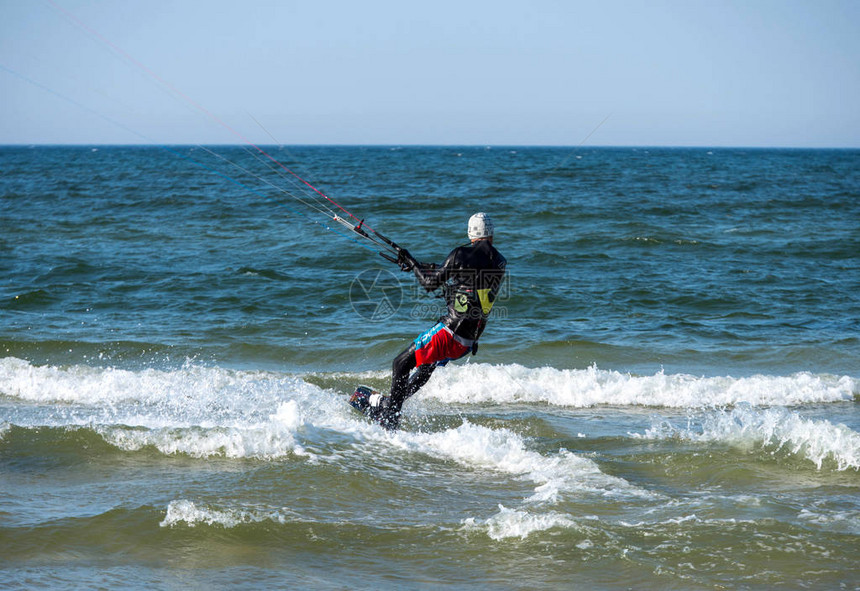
[439, 345]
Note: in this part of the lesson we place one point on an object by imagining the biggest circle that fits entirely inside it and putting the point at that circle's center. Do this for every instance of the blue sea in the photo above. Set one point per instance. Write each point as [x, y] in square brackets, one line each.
[666, 396]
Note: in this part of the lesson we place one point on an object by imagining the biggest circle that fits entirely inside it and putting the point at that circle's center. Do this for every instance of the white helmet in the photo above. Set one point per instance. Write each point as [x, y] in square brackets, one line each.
[480, 226]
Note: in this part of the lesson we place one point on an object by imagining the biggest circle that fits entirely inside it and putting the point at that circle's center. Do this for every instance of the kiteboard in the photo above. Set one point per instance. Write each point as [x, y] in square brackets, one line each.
[373, 405]
[368, 401]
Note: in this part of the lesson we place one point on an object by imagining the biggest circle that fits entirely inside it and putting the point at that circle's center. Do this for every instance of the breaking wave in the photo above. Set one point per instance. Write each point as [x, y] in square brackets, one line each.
[775, 430]
[515, 523]
[209, 391]
[480, 383]
[186, 512]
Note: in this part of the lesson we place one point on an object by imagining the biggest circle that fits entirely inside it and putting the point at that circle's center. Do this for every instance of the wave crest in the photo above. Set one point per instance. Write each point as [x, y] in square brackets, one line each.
[186, 512]
[775, 430]
[514, 523]
[583, 388]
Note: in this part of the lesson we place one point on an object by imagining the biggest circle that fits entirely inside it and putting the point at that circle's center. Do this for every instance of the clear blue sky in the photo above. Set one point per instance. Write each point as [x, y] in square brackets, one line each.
[536, 72]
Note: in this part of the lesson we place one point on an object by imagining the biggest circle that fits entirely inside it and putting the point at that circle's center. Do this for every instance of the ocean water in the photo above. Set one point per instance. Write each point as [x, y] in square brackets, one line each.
[665, 398]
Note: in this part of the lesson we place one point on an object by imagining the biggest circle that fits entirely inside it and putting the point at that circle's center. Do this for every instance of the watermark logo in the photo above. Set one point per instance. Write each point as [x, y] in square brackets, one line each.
[375, 294]
[378, 294]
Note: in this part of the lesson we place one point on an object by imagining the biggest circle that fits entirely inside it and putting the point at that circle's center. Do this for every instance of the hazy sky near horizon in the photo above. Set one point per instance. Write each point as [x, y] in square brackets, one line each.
[500, 72]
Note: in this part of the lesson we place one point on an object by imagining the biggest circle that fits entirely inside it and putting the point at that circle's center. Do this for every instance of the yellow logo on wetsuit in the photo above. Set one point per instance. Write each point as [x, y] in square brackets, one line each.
[486, 298]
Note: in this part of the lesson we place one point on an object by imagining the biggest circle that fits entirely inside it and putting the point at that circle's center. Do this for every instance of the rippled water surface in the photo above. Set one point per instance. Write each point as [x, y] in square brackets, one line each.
[666, 396]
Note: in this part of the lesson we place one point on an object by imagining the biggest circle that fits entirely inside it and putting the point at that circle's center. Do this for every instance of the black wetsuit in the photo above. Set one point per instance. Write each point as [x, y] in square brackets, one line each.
[471, 277]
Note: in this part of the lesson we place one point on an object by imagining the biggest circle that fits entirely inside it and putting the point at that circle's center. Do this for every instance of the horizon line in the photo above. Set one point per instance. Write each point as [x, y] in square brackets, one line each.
[427, 145]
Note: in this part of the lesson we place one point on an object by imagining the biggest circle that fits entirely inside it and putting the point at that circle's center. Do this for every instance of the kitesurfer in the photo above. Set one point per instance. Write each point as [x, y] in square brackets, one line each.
[470, 277]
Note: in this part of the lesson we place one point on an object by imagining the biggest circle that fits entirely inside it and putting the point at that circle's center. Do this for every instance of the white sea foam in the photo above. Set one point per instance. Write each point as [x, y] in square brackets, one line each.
[217, 390]
[272, 439]
[482, 383]
[187, 389]
[210, 411]
[775, 430]
[192, 410]
[263, 442]
[514, 523]
[555, 475]
[187, 512]
[554, 478]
